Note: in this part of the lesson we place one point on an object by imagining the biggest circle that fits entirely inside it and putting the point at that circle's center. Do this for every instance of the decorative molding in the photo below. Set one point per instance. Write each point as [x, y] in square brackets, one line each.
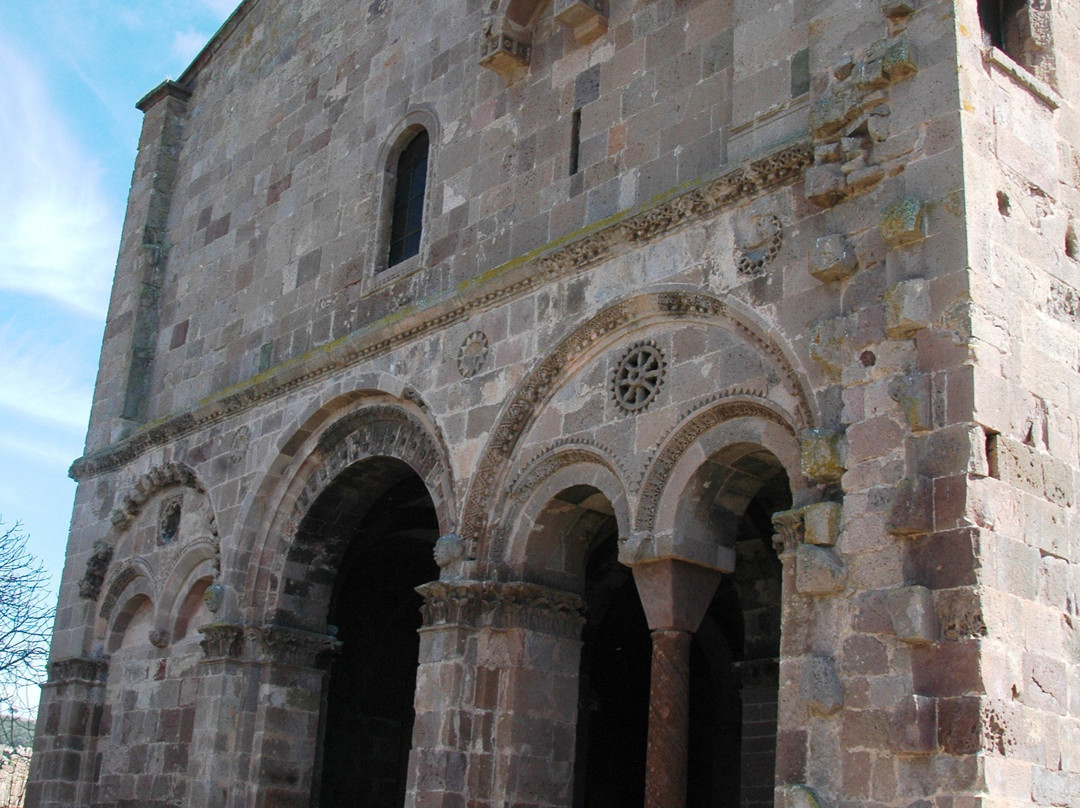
[378, 430]
[473, 354]
[293, 646]
[157, 479]
[512, 280]
[637, 378]
[535, 388]
[711, 414]
[494, 604]
[558, 455]
[96, 568]
[117, 586]
[89, 670]
[222, 641]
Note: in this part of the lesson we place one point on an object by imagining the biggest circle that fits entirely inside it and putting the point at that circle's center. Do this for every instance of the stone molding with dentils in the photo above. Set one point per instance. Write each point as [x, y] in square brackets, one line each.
[499, 605]
[516, 278]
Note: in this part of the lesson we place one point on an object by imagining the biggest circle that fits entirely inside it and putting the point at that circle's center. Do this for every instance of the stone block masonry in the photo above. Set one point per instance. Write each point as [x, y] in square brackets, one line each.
[718, 438]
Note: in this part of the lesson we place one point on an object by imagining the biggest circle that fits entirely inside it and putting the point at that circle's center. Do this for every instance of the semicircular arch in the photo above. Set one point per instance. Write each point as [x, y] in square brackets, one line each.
[340, 434]
[613, 322]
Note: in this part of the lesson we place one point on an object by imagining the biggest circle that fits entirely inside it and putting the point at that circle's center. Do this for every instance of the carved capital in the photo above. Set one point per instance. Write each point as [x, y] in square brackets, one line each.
[789, 532]
[90, 670]
[222, 640]
[492, 604]
[505, 54]
[96, 567]
[296, 647]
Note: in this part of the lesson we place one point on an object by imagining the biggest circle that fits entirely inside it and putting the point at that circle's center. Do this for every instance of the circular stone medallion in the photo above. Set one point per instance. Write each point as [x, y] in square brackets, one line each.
[636, 380]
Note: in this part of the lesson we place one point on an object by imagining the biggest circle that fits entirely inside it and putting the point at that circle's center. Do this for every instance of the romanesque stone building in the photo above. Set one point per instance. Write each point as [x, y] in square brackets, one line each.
[588, 403]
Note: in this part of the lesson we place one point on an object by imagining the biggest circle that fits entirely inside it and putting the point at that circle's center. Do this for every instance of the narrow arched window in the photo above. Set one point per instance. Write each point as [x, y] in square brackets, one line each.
[407, 215]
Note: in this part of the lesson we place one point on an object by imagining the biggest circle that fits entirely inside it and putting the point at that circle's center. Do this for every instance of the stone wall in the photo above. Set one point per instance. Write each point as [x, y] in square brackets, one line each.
[812, 270]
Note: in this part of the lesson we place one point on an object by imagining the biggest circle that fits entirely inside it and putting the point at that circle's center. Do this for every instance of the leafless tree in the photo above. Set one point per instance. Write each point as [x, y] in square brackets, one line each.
[26, 615]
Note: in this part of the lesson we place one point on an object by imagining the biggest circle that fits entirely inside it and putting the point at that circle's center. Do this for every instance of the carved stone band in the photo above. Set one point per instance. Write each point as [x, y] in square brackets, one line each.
[492, 604]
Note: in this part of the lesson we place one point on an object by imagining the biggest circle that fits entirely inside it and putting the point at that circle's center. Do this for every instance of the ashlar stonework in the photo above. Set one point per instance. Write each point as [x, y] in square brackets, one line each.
[588, 403]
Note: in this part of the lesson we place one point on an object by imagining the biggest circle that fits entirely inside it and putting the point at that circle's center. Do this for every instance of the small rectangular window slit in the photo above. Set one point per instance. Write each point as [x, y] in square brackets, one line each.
[992, 455]
[575, 142]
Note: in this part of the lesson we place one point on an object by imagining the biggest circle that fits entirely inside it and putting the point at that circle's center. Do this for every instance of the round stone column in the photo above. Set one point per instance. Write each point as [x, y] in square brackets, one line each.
[675, 595]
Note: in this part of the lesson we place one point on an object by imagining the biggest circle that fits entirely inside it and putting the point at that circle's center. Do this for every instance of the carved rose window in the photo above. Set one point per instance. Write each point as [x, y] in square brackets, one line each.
[638, 376]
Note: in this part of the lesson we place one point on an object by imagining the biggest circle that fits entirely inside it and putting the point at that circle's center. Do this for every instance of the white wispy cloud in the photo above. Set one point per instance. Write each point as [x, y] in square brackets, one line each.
[187, 44]
[44, 382]
[223, 8]
[58, 234]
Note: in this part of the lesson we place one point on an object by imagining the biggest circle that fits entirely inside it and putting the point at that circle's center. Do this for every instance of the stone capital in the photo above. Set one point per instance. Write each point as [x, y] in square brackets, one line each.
[675, 593]
[497, 604]
[296, 647]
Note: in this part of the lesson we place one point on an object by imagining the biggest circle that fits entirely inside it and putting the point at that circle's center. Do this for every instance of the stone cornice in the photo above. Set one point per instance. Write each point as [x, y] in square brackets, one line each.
[89, 670]
[565, 257]
[493, 604]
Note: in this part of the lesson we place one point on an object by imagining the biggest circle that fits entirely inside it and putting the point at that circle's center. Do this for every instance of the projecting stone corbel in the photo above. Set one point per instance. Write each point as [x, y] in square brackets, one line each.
[506, 54]
[587, 19]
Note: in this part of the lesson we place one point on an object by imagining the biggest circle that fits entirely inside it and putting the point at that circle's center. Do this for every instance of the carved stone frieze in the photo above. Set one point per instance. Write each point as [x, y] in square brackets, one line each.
[379, 430]
[560, 454]
[293, 646]
[563, 259]
[96, 567]
[757, 243]
[673, 447]
[90, 670]
[158, 478]
[222, 640]
[493, 604]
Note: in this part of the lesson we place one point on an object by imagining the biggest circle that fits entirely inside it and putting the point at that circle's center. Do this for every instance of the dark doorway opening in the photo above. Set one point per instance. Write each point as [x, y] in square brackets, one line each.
[369, 714]
[613, 703]
[734, 669]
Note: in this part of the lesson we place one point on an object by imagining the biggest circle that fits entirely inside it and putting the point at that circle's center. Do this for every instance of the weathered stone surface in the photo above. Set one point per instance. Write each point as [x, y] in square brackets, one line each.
[821, 687]
[902, 223]
[912, 510]
[683, 270]
[822, 523]
[832, 258]
[821, 458]
[914, 614]
[907, 308]
[818, 571]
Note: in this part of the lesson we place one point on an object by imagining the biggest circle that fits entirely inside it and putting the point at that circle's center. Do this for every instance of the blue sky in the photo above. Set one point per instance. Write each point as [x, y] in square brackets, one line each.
[73, 70]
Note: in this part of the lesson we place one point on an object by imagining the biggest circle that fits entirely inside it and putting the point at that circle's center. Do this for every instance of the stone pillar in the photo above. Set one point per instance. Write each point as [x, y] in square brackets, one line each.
[496, 696]
[675, 595]
[221, 743]
[285, 731]
[71, 717]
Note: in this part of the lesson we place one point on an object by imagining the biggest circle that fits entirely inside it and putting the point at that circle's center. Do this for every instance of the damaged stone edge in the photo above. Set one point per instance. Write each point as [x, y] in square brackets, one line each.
[564, 257]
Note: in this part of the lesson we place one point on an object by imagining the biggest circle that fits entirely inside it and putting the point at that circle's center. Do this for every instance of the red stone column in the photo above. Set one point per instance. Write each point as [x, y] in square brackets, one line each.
[669, 720]
[675, 595]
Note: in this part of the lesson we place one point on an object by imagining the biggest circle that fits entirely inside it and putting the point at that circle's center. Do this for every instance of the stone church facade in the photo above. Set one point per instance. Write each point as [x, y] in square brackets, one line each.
[588, 403]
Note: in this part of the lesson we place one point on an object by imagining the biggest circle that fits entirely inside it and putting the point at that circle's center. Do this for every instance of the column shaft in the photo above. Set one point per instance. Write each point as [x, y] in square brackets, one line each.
[669, 720]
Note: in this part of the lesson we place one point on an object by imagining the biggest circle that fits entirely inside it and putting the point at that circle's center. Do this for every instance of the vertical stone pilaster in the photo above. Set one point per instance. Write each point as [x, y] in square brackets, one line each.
[497, 688]
[71, 717]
